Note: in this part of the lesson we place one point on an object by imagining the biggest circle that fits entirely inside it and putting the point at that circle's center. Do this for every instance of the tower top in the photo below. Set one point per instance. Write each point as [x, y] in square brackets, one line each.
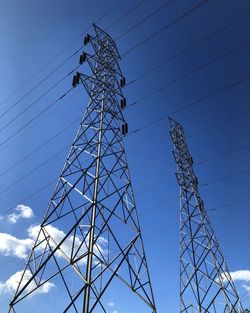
[104, 36]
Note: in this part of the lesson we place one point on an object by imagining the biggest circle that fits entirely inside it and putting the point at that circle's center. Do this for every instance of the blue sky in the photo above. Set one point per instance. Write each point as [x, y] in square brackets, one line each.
[217, 127]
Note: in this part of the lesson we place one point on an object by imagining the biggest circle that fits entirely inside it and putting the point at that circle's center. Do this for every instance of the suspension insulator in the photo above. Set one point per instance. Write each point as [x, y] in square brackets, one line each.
[86, 39]
[123, 103]
[123, 82]
[78, 75]
[124, 129]
[82, 58]
[74, 81]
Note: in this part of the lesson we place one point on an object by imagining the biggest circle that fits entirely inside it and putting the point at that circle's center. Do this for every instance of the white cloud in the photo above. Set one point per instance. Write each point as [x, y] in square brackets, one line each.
[20, 248]
[11, 246]
[111, 304]
[247, 288]
[11, 284]
[55, 236]
[243, 275]
[21, 211]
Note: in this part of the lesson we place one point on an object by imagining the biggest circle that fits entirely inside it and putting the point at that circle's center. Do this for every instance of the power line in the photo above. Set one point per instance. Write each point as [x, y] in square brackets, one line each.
[174, 224]
[236, 83]
[60, 65]
[190, 72]
[229, 204]
[125, 14]
[222, 154]
[185, 75]
[166, 227]
[144, 19]
[225, 178]
[230, 51]
[34, 169]
[45, 163]
[39, 147]
[231, 176]
[103, 16]
[198, 163]
[55, 57]
[31, 195]
[197, 133]
[164, 86]
[52, 72]
[229, 86]
[145, 211]
[38, 99]
[209, 36]
[141, 214]
[160, 230]
[140, 192]
[40, 120]
[35, 117]
[55, 180]
[130, 133]
[65, 61]
[38, 84]
[219, 124]
[189, 48]
[150, 187]
[77, 120]
[145, 189]
[165, 27]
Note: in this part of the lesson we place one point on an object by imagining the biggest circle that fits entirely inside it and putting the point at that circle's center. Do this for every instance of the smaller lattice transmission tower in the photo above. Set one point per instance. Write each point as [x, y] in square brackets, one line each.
[205, 282]
[88, 249]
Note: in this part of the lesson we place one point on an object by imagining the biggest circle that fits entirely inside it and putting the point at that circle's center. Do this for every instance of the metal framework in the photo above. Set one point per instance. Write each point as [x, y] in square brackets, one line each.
[89, 244]
[205, 282]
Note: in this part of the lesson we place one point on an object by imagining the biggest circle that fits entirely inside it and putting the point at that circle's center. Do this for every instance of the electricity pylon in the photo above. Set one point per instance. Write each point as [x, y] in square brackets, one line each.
[205, 281]
[89, 245]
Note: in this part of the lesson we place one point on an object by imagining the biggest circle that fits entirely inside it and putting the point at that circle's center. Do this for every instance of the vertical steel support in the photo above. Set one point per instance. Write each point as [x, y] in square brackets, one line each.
[93, 217]
[205, 281]
[90, 238]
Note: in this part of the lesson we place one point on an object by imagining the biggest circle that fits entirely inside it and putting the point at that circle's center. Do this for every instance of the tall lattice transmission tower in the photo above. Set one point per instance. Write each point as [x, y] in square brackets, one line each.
[205, 282]
[88, 248]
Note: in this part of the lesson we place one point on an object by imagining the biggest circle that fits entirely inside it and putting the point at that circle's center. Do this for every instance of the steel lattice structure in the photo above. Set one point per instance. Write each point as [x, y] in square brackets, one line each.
[89, 243]
[205, 282]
